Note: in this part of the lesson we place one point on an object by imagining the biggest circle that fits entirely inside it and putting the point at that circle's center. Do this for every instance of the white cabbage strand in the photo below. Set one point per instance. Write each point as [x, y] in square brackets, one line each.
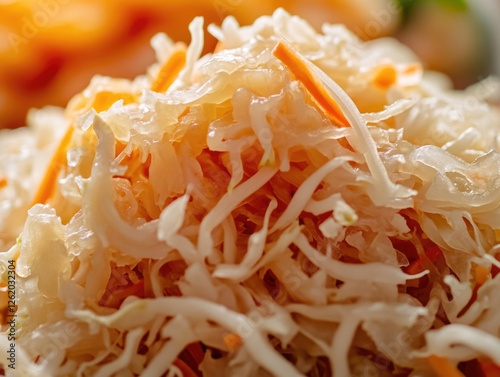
[140, 312]
[100, 212]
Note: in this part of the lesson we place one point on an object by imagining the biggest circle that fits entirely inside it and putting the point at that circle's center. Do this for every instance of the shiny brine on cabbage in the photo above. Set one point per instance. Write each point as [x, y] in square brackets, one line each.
[292, 204]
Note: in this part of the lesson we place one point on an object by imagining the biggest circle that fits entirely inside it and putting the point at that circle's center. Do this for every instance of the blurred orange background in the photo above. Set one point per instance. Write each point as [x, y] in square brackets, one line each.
[49, 49]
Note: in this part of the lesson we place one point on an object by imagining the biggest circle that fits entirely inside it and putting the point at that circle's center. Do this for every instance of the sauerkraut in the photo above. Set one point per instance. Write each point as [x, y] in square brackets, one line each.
[292, 204]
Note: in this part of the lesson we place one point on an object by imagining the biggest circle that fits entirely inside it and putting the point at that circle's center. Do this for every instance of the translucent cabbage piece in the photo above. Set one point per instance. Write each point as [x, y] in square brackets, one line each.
[334, 210]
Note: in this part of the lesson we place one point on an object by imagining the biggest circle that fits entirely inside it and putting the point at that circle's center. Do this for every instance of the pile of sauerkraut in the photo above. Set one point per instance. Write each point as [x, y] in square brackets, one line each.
[293, 204]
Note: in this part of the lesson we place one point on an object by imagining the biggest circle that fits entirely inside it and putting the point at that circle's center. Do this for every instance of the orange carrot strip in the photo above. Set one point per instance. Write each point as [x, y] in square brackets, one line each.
[232, 341]
[104, 99]
[443, 367]
[297, 64]
[3, 181]
[386, 76]
[482, 275]
[48, 184]
[184, 368]
[170, 70]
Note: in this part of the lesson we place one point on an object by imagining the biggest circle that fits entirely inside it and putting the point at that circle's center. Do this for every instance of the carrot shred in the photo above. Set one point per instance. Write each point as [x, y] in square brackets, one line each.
[46, 188]
[232, 341]
[3, 181]
[482, 275]
[103, 100]
[385, 76]
[443, 367]
[297, 64]
[184, 368]
[170, 69]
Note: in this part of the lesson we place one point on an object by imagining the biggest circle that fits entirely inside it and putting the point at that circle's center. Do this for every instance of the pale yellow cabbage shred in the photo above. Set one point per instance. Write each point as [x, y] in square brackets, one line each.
[240, 209]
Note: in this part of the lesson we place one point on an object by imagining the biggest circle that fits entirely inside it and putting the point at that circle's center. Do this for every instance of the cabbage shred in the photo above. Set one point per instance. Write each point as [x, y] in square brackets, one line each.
[226, 227]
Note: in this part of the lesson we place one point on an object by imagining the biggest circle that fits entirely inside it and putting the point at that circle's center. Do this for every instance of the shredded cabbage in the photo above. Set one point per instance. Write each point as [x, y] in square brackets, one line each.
[328, 211]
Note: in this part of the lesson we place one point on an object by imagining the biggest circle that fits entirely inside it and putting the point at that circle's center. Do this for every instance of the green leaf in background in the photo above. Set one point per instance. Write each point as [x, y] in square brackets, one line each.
[407, 6]
[456, 4]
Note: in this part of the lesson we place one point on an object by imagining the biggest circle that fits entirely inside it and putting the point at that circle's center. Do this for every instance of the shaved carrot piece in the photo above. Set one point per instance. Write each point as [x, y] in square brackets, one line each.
[232, 341]
[482, 275]
[184, 368]
[443, 367]
[170, 70]
[297, 64]
[385, 76]
[3, 181]
[103, 100]
[48, 184]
